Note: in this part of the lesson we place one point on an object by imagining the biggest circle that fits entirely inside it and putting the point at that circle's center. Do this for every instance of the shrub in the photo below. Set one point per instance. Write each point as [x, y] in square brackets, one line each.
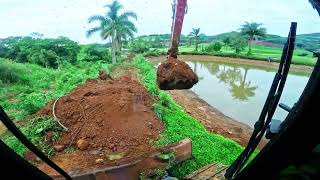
[9, 73]
[214, 47]
[93, 53]
[238, 44]
[139, 45]
[154, 52]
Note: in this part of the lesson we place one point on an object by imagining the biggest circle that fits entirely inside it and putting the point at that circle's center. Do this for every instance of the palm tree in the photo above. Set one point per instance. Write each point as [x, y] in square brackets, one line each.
[252, 30]
[117, 27]
[244, 90]
[195, 33]
[316, 5]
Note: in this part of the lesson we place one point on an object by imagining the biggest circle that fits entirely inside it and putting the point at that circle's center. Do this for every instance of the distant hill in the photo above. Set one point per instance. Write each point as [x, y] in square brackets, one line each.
[309, 42]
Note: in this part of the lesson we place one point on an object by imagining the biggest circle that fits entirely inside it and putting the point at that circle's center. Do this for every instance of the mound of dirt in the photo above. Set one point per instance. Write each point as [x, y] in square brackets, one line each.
[175, 74]
[105, 118]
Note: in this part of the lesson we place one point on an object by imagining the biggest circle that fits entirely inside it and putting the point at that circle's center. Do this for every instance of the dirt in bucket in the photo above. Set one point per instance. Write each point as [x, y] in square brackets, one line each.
[107, 120]
[175, 74]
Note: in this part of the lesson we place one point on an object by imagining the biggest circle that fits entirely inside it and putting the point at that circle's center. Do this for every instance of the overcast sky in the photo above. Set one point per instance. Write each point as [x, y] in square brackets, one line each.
[69, 17]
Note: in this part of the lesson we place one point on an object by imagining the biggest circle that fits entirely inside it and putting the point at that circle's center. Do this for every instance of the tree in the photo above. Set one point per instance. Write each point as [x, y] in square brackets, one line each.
[226, 41]
[195, 34]
[214, 47]
[189, 37]
[238, 44]
[118, 27]
[94, 52]
[139, 45]
[45, 52]
[252, 30]
[244, 90]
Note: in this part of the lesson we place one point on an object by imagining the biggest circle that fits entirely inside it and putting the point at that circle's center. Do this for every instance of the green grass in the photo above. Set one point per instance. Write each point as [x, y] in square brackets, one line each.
[206, 147]
[259, 52]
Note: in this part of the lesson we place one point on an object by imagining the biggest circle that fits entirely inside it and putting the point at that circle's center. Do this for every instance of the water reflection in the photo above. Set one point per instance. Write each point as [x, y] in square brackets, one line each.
[240, 91]
[236, 78]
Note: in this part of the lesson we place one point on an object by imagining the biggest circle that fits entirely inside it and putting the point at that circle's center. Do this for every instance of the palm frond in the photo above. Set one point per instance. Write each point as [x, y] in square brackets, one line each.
[105, 33]
[93, 30]
[96, 18]
[252, 29]
[127, 24]
[114, 9]
[129, 14]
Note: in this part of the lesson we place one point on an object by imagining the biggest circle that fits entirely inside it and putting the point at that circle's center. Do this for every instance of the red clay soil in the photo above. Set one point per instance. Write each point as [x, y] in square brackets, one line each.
[106, 119]
[175, 74]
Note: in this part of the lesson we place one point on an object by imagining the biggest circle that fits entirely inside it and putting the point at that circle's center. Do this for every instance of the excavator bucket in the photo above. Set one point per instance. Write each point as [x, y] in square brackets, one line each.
[173, 73]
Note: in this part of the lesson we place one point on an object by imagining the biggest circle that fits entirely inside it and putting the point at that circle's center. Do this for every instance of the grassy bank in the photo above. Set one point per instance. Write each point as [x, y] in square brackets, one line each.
[25, 88]
[259, 52]
[206, 147]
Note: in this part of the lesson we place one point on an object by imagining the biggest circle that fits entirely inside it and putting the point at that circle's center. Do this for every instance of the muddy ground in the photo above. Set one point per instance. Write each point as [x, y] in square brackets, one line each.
[108, 121]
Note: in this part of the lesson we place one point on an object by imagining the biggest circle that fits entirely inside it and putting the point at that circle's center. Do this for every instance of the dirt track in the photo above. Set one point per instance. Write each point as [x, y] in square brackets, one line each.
[113, 117]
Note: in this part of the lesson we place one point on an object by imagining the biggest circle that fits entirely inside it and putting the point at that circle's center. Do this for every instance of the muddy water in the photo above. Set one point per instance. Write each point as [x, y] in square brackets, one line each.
[240, 91]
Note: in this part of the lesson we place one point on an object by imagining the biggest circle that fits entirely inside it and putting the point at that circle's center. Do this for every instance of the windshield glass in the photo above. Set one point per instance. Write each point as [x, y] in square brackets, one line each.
[97, 84]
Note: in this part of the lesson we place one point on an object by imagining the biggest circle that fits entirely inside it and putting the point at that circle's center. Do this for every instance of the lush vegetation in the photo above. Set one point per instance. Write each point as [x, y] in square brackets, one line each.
[30, 79]
[44, 52]
[115, 25]
[252, 39]
[206, 147]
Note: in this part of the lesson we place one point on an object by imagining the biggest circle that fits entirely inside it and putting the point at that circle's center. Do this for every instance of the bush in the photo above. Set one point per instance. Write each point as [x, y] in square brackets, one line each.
[9, 73]
[238, 44]
[93, 53]
[139, 46]
[214, 47]
[154, 52]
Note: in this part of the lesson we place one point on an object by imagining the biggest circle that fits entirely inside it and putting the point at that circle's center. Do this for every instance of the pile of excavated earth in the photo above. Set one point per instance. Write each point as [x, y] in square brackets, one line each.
[108, 120]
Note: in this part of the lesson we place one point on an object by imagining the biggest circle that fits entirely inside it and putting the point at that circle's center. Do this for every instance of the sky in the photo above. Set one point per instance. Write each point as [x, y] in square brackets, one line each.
[70, 17]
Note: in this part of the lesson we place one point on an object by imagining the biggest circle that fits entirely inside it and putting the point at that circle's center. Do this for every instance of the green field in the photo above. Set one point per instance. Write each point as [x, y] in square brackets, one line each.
[259, 52]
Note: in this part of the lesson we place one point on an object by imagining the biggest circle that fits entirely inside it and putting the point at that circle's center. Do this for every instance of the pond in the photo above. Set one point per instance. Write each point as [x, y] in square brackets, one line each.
[239, 91]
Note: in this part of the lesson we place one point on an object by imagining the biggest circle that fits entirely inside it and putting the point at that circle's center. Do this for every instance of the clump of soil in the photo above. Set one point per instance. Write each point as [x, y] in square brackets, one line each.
[175, 74]
[104, 117]
[103, 75]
